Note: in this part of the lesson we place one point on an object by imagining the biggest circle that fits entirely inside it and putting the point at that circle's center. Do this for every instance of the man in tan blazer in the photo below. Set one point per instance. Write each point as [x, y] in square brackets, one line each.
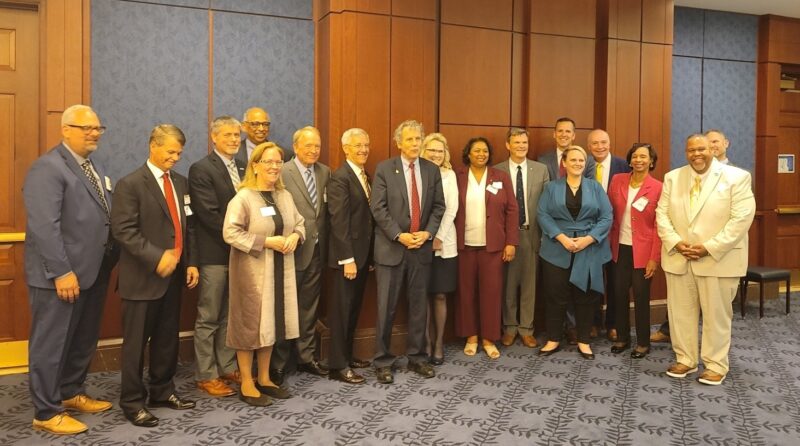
[703, 216]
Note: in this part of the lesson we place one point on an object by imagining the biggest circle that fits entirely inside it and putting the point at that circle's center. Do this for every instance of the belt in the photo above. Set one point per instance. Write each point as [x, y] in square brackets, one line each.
[524, 227]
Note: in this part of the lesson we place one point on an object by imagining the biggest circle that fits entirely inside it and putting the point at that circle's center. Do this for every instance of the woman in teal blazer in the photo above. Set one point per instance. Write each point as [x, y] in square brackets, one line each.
[575, 217]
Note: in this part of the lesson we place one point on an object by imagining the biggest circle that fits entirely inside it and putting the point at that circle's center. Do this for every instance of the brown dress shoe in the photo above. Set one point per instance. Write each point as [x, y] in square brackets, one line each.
[679, 370]
[82, 403]
[508, 339]
[61, 424]
[711, 378]
[529, 341]
[215, 387]
[611, 334]
[233, 377]
[659, 337]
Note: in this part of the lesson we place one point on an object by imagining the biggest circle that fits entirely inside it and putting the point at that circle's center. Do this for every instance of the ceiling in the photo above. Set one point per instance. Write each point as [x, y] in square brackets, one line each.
[788, 8]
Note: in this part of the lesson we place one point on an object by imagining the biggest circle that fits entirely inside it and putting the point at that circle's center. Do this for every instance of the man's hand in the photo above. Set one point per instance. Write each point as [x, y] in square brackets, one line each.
[68, 288]
[508, 253]
[421, 237]
[350, 270]
[407, 239]
[167, 264]
[697, 251]
[192, 277]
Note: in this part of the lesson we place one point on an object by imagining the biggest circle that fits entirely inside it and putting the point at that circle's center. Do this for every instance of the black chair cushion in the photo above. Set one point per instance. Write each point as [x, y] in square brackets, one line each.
[761, 273]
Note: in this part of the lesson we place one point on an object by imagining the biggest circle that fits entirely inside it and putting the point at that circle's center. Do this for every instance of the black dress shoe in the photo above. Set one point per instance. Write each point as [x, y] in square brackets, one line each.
[384, 375]
[142, 418]
[173, 402]
[586, 355]
[422, 368]
[277, 375]
[346, 376]
[274, 392]
[437, 361]
[313, 367]
[620, 348]
[258, 401]
[637, 354]
[543, 352]
[359, 364]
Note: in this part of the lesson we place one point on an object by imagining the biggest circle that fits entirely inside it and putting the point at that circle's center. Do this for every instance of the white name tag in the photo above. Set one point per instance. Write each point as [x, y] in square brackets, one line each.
[325, 197]
[187, 210]
[267, 211]
[497, 185]
[640, 204]
[108, 184]
[491, 189]
[187, 199]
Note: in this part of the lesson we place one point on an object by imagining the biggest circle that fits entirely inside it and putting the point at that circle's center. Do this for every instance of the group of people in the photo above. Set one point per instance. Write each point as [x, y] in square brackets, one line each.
[254, 225]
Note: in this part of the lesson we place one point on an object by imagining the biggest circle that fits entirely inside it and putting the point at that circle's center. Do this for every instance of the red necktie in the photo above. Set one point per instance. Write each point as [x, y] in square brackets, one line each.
[562, 171]
[414, 201]
[173, 213]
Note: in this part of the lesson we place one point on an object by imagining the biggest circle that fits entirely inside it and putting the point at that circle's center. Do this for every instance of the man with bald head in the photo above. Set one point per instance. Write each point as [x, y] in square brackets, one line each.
[256, 125]
[719, 145]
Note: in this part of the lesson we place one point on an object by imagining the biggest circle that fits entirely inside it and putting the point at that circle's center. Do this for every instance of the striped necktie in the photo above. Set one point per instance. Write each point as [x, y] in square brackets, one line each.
[311, 186]
[87, 169]
[233, 173]
[367, 188]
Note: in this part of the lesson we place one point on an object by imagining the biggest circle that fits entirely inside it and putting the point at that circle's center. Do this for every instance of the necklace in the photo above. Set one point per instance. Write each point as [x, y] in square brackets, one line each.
[574, 188]
[267, 196]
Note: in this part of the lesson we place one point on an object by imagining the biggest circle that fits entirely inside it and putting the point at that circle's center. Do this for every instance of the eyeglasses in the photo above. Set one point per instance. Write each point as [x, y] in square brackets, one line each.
[270, 163]
[88, 128]
[255, 125]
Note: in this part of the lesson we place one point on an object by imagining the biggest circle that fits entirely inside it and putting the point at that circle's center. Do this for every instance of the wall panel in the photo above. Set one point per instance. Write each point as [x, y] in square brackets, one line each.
[574, 18]
[656, 84]
[458, 135]
[686, 105]
[413, 75]
[495, 14]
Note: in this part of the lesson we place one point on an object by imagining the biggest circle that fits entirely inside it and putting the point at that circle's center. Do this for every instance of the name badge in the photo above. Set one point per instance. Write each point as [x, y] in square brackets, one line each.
[187, 199]
[325, 197]
[640, 204]
[268, 211]
[497, 185]
[188, 210]
[108, 184]
[491, 189]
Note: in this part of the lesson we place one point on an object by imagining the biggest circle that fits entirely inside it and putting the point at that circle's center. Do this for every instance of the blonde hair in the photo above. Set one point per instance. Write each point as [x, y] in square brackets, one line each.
[570, 149]
[250, 181]
[437, 137]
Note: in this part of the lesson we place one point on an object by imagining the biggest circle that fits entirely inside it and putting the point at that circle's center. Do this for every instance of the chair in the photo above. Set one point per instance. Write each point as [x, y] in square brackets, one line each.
[761, 274]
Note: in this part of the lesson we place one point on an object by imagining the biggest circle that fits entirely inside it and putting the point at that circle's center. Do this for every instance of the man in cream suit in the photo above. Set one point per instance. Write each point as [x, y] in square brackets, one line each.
[703, 216]
[528, 178]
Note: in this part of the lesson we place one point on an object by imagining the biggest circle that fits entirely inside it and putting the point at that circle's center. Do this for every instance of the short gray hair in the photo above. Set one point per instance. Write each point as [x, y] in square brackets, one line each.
[696, 135]
[299, 132]
[223, 120]
[351, 133]
[161, 132]
[247, 112]
[69, 114]
[408, 124]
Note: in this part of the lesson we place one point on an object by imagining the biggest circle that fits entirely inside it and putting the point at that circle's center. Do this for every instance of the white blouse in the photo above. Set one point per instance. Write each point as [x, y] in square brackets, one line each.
[475, 213]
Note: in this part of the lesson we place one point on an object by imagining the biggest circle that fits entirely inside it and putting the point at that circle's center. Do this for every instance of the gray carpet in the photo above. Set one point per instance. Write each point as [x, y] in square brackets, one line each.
[518, 399]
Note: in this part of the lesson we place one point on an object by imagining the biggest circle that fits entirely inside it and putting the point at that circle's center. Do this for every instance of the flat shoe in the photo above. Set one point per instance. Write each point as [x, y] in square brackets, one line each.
[471, 348]
[586, 355]
[274, 392]
[639, 354]
[543, 352]
[620, 348]
[257, 401]
[491, 351]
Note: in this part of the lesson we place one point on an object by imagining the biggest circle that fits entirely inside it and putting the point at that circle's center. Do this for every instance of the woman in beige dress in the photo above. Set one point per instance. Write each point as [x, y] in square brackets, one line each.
[264, 227]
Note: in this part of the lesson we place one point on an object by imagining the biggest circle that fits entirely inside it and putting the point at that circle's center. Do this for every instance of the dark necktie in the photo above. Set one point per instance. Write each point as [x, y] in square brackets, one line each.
[173, 214]
[562, 171]
[520, 196]
[87, 169]
[414, 201]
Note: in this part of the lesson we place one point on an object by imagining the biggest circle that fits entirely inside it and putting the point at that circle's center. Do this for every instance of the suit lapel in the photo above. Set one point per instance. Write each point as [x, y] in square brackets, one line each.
[708, 187]
[320, 190]
[294, 175]
[353, 179]
[222, 170]
[401, 179]
[72, 164]
[151, 184]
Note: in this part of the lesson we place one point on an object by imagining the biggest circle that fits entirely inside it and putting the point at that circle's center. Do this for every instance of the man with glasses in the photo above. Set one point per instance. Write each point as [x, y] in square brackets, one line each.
[306, 179]
[69, 255]
[256, 126]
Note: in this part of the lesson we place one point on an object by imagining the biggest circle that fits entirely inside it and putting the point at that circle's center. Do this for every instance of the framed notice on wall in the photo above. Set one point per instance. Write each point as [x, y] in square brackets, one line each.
[785, 163]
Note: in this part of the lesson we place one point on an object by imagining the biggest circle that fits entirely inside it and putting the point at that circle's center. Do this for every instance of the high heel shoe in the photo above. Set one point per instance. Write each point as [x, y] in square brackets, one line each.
[620, 348]
[637, 354]
[586, 355]
[543, 352]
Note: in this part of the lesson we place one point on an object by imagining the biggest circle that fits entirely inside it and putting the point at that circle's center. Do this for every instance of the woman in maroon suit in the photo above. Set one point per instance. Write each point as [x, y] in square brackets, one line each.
[487, 234]
[635, 245]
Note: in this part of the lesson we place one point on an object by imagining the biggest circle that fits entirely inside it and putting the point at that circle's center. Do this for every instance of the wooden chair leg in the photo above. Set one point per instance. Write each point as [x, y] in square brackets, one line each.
[787, 296]
[760, 300]
[742, 294]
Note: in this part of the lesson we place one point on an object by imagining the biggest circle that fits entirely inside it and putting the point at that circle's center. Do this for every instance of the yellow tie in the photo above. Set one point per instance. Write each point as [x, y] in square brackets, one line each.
[694, 197]
[598, 174]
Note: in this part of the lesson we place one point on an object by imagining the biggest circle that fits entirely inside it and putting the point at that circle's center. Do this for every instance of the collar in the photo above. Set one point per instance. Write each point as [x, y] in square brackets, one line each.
[407, 162]
[606, 162]
[156, 171]
[302, 168]
[512, 166]
[77, 157]
[224, 159]
[355, 168]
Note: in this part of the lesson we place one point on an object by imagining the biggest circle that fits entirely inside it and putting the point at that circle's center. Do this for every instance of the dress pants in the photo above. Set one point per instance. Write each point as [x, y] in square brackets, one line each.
[520, 288]
[480, 287]
[611, 302]
[156, 320]
[62, 342]
[410, 274]
[625, 277]
[345, 307]
[309, 286]
[687, 296]
[212, 357]
[560, 294]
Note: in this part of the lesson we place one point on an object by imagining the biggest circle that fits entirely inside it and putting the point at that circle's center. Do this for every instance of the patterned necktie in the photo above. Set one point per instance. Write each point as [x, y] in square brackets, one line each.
[367, 188]
[169, 196]
[414, 201]
[598, 173]
[234, 174]
[312, 187]
[520, 197]
[694, 196]
[87, 169]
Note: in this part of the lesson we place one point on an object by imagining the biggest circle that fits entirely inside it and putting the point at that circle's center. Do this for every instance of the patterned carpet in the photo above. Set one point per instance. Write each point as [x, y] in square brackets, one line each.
[518, 399]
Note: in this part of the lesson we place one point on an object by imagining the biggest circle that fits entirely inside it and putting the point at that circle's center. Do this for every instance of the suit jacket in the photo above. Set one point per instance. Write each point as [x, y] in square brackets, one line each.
[502, 214]
[241, 155]
[141, 224]
[316, 217]
[210, 189]
[646, 243]
[390, 208]
[720, 221]
[351, 217]
[538, 176]
[618, 165]
[549, 160]
[594, 219]
[67, 228]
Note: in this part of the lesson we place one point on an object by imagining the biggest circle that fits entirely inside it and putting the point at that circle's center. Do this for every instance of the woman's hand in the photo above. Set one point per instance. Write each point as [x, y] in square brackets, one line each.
[582, 242]
[275, 242]
[650, 269]
[290, 243]
[567, 243]
[437, 244]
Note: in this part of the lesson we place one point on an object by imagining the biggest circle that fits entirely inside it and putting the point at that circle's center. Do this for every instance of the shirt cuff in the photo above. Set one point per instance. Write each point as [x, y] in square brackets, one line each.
[346, 261]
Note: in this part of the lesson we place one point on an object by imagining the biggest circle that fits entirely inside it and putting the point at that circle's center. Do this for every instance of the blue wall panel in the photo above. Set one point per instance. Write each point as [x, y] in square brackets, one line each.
[686, 116]
[267, 62]
[688, 32]
[282, 8]
[149, 66]
[730, 36]
[729, 104]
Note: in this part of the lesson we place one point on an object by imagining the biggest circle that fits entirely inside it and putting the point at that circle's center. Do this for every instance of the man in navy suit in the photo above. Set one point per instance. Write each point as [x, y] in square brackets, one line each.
[256, 125]
[407, 203]
[68, 258]
[564, 136]
[607, 165]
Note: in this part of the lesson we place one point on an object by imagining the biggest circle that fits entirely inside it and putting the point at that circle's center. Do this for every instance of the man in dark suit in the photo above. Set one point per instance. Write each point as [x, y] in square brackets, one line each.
[212, 184]
[407, 203]
[306, 179]
[256, 125]
[150, 221]
[528, 178]
[68, 258]
[598, 143]
[350, 253]
[564, 136]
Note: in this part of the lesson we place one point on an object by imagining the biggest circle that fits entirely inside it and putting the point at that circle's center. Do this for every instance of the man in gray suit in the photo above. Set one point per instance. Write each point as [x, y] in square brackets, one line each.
[407, 203]
[528, 178]
[68, 258]
[306, 179]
